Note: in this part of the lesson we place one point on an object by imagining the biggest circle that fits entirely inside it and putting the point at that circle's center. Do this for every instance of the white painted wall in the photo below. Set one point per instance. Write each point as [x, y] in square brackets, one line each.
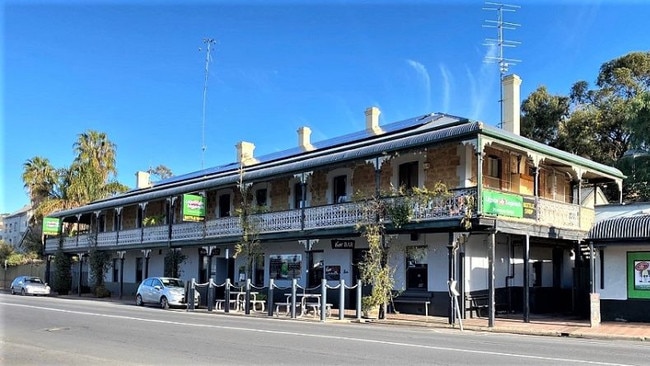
[476, 264]
[615, 274]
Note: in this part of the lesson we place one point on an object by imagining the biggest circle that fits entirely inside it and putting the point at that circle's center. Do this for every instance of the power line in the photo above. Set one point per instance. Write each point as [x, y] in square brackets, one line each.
[501, 43]
[208, 58]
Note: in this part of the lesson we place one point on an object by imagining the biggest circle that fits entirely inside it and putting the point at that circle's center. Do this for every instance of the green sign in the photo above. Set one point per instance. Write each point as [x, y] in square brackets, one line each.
[638, 275]
[51, 226]
[503, 204]
[193, 207]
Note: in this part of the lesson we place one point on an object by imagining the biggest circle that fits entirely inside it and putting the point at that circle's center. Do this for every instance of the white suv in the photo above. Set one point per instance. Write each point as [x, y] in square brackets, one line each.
[165, 291]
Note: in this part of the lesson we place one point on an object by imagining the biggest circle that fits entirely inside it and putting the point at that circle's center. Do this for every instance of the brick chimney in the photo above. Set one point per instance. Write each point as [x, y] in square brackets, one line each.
[304, 139]
[511, 103]
[372, 121]
[142, 180]
[245, 153]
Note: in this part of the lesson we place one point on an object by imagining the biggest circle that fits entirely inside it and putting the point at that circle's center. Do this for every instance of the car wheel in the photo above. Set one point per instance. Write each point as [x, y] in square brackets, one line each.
[138, 300]
[164, 303]
[12, 291]
[22, 292]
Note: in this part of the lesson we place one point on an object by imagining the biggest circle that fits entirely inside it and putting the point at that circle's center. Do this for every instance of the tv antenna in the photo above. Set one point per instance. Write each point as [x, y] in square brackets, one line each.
[501, 43]
[209, 42]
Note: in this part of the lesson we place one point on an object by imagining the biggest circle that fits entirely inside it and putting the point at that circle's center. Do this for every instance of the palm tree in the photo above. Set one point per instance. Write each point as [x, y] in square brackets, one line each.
[90, 176]
[96, 151]
[39, 177]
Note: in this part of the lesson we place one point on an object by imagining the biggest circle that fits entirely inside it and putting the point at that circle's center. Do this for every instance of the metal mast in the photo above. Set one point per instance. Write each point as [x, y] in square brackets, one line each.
[209, 42]
[501, 43]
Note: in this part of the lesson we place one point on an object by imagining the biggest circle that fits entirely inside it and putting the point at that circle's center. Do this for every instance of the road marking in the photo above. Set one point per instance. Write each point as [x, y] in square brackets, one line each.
[297, 334]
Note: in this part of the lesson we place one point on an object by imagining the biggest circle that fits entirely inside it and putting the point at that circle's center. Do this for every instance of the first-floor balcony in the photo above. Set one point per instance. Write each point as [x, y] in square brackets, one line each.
[460, 203]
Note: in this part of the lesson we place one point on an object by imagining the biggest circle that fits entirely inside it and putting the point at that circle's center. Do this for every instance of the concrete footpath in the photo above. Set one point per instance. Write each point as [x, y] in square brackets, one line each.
[543, 325]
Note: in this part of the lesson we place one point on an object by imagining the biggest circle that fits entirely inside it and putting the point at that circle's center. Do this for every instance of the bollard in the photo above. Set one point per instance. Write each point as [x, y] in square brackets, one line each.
[210, 295]
[189, 299]
[359, 300]
[323, 307]
[294, 283]
[342, 299]
[247, 297]
[269, 298]
[226, 303]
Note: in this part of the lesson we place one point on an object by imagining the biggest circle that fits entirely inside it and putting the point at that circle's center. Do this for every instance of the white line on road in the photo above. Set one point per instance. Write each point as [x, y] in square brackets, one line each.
[360, 340]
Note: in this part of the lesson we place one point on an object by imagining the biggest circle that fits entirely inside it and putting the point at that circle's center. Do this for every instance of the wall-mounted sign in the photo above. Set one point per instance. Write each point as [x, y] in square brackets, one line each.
[502, 204]
[638, 269]
[342, 244]
[333, 273]
[51, 225]
[530, 210]
[193, 207]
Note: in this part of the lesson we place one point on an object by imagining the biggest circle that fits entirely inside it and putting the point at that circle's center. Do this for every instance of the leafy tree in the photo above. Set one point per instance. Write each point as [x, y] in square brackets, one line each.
[95, 152]
[542, 115]
[161, 171]
[248, 246]
[602, 123]
[100, 263]
[39, 177]
[90, 177]
[62, 281]
[173, 261]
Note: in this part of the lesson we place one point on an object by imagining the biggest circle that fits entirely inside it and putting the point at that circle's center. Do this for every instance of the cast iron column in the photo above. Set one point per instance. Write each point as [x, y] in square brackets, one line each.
[527, 279]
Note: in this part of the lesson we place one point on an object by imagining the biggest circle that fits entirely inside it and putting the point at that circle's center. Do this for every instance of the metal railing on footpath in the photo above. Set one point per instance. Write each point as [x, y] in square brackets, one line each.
[249, 291]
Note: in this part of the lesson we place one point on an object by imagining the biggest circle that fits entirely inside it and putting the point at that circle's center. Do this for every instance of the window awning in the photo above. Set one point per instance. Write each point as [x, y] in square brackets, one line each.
[628, 228]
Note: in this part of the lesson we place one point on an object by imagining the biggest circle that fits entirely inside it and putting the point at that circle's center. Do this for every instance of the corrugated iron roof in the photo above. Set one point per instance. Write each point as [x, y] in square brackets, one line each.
[628, 227]
[438, 120]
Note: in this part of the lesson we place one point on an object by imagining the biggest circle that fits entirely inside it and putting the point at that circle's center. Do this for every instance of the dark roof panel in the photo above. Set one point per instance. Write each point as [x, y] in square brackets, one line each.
[630, 227]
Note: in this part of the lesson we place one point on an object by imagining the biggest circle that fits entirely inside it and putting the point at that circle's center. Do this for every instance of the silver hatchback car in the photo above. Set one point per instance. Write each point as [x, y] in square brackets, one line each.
[29, 285]
[164, 291]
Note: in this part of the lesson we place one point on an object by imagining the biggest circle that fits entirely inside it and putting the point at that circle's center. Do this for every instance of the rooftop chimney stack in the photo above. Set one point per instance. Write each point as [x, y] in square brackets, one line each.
[142, 180]
[304, 139]
[511, 103]
[372, 121]
[245, 153]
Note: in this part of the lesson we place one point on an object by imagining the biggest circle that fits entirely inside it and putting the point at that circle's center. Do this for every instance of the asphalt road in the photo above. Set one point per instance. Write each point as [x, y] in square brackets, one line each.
[41, 330]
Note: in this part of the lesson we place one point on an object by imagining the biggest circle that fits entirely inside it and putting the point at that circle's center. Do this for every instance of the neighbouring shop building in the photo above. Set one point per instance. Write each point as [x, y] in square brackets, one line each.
[621, 242]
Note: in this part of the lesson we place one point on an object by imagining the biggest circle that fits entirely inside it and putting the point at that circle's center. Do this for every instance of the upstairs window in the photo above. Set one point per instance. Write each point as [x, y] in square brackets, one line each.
[101, 223]
[261, 197]
[493, 167]
[297, 196]
[224, 205]
[139, 218]
[493, 172]
[408, 175]
[339, 185]
[117, 223]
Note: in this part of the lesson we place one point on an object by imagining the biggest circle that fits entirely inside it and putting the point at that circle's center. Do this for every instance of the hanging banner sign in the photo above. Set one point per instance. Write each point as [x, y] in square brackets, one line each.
[51, 226]
[342, 244]
[193, 207]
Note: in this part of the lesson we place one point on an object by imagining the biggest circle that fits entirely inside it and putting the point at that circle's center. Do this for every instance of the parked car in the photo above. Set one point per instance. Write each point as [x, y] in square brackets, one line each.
[29, 285]
[164, 291]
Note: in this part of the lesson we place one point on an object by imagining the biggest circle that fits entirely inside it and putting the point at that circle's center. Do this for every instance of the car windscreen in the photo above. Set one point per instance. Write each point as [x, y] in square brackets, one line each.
[172, 282]
[34, 280]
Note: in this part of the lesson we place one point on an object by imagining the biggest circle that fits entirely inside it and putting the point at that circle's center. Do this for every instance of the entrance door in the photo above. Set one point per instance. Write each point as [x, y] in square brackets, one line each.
[315, 267]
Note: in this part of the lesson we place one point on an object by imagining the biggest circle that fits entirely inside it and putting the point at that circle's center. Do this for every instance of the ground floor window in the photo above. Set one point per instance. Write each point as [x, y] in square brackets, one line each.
[285, 266]
[416, 268]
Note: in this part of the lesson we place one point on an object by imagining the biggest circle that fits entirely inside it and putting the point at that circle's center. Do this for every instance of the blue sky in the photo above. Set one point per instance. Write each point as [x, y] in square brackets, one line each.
[134, 70]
